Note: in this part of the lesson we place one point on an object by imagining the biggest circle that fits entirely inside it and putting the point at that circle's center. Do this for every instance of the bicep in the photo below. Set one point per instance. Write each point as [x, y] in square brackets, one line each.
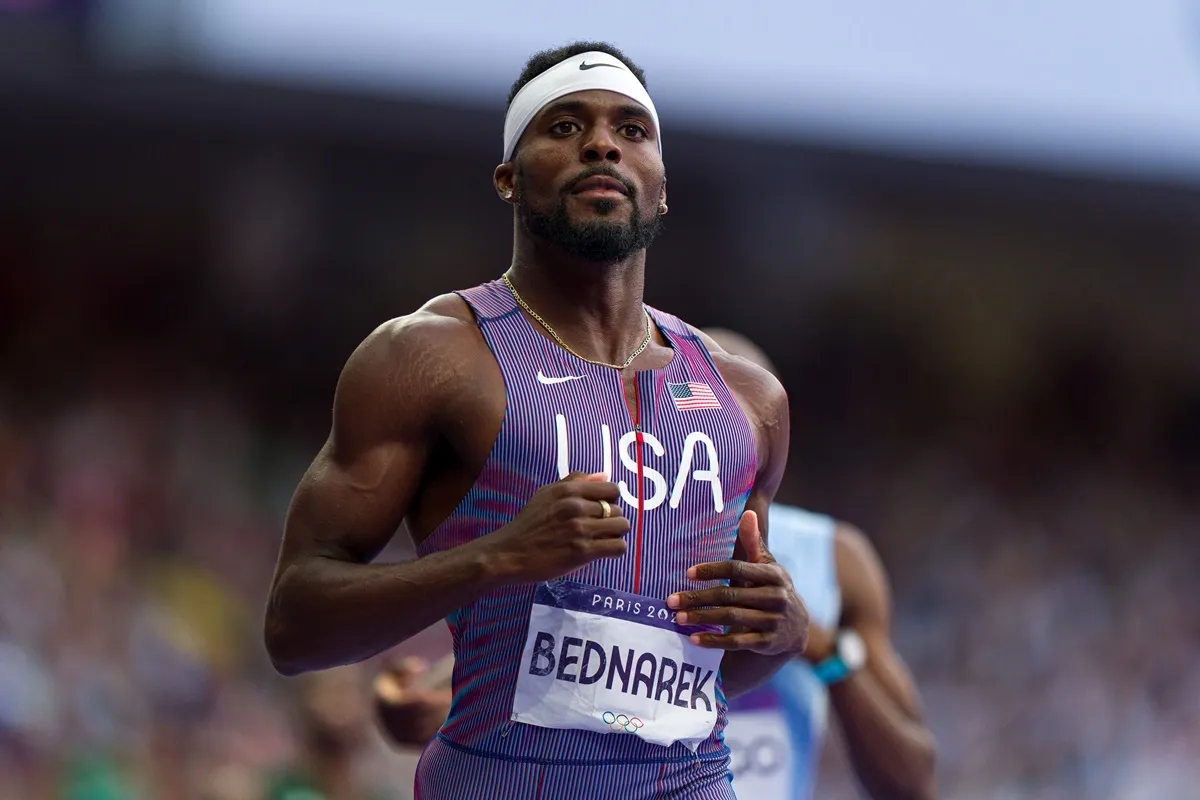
[354, 496]
[764, 402]
[867, 608]
[349, 509]
[773, 437]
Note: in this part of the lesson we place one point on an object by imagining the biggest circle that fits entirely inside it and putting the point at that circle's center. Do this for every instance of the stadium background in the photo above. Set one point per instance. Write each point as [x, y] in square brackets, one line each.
[970, 239]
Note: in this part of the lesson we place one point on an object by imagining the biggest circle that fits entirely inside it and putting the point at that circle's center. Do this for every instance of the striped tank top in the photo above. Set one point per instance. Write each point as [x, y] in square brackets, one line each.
[684, 458]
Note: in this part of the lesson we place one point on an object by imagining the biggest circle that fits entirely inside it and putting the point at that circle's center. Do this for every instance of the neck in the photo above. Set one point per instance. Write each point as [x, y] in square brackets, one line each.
[596, 307]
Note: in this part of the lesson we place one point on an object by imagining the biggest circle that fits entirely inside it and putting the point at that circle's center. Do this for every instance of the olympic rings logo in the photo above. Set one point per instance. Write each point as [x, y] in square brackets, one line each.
[763, 756]
[620, 722]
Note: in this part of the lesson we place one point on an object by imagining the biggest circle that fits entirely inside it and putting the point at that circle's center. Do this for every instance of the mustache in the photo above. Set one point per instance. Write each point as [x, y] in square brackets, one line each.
[607, 172]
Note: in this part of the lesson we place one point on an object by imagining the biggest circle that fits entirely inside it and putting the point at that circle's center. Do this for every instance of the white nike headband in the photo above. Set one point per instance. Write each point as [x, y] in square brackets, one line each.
[579, 73]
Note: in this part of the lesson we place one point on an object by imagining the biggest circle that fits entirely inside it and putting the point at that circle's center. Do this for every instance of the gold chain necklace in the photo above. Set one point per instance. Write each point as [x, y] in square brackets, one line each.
[554, 334]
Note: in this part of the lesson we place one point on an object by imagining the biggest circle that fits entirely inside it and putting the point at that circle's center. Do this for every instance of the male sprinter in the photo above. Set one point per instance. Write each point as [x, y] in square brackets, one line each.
[586, 480]
[775, 732]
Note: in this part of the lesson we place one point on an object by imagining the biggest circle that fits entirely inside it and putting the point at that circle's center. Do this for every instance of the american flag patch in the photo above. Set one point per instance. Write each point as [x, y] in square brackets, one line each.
[692, 395]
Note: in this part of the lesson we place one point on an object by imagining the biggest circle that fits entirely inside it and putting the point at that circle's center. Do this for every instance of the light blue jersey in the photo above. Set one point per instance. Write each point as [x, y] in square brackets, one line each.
[775, 732]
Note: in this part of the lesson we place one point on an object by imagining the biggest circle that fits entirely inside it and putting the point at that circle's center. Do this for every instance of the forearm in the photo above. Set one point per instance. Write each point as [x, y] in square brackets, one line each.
[743, 670]
[892, 751]
[324, 613]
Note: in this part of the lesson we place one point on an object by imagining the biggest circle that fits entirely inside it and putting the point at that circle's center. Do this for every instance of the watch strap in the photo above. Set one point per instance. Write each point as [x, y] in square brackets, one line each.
[832, 670]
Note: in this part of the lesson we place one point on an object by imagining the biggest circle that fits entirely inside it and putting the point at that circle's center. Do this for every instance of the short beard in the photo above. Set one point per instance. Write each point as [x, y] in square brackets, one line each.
[606, 241]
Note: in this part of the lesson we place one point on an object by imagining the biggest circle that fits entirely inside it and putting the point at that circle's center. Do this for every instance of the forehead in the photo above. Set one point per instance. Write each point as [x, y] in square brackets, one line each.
[596, 103]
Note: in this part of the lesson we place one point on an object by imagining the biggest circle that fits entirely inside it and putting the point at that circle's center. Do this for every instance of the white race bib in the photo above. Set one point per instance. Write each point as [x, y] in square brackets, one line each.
[613, 662]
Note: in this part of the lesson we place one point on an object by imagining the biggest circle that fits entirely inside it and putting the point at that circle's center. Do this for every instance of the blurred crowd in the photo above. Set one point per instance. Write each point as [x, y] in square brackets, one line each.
[994, 374]
[138, 538]
[1050, 631]
[1053, 631]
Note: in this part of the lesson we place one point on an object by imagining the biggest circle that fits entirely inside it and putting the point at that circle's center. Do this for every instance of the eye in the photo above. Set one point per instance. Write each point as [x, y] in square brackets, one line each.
[634, 131]
[564, 127]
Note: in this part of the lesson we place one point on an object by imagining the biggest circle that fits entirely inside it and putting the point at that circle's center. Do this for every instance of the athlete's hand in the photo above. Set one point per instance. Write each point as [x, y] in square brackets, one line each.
[560, 529]
[410, 711]
[759, 607]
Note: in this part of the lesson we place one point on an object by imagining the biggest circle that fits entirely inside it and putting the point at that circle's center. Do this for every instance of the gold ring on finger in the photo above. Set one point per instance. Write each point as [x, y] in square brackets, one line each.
[605, 509]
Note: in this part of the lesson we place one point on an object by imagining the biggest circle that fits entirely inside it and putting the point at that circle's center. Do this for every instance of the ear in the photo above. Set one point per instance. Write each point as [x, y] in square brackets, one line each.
[504, 179]
[662, 198]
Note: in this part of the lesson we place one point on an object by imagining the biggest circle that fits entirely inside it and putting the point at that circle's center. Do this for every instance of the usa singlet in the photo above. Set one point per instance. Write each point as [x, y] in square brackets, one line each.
[775, 732]
[584, 687]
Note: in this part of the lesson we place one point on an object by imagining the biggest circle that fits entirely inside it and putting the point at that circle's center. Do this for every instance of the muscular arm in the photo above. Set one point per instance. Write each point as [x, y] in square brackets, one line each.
[328, 605]
[766, 405]
[892, 751]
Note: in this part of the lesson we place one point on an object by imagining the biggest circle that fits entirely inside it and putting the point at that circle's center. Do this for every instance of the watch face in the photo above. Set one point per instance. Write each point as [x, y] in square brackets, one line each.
[852, 650]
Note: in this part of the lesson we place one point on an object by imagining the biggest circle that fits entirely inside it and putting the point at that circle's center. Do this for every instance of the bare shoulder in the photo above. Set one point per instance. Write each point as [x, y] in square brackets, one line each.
[765, 404]
[860, 572]
[403, 372]
[853, 548]
[429, 344]
[756, 388]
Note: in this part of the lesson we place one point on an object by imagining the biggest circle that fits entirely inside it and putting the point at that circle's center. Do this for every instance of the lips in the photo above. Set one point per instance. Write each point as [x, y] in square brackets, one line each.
[600, 183]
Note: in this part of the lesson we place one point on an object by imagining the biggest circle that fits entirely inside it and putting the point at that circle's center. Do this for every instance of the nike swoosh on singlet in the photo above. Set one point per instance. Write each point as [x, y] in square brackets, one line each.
[585, 65]
[551, 381]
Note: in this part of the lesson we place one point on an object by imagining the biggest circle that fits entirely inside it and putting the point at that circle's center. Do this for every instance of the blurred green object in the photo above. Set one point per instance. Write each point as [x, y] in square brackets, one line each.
[293, 785]
[96, 778]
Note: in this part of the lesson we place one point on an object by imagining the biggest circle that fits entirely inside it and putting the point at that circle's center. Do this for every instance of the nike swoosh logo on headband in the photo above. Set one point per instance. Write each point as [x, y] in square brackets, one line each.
[585, 65]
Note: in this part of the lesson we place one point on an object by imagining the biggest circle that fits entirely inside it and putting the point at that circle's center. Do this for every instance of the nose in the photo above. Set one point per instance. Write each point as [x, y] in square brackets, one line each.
[600, 145]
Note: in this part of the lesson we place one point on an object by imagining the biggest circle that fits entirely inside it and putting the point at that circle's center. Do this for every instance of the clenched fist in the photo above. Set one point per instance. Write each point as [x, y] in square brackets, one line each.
[564, 525]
